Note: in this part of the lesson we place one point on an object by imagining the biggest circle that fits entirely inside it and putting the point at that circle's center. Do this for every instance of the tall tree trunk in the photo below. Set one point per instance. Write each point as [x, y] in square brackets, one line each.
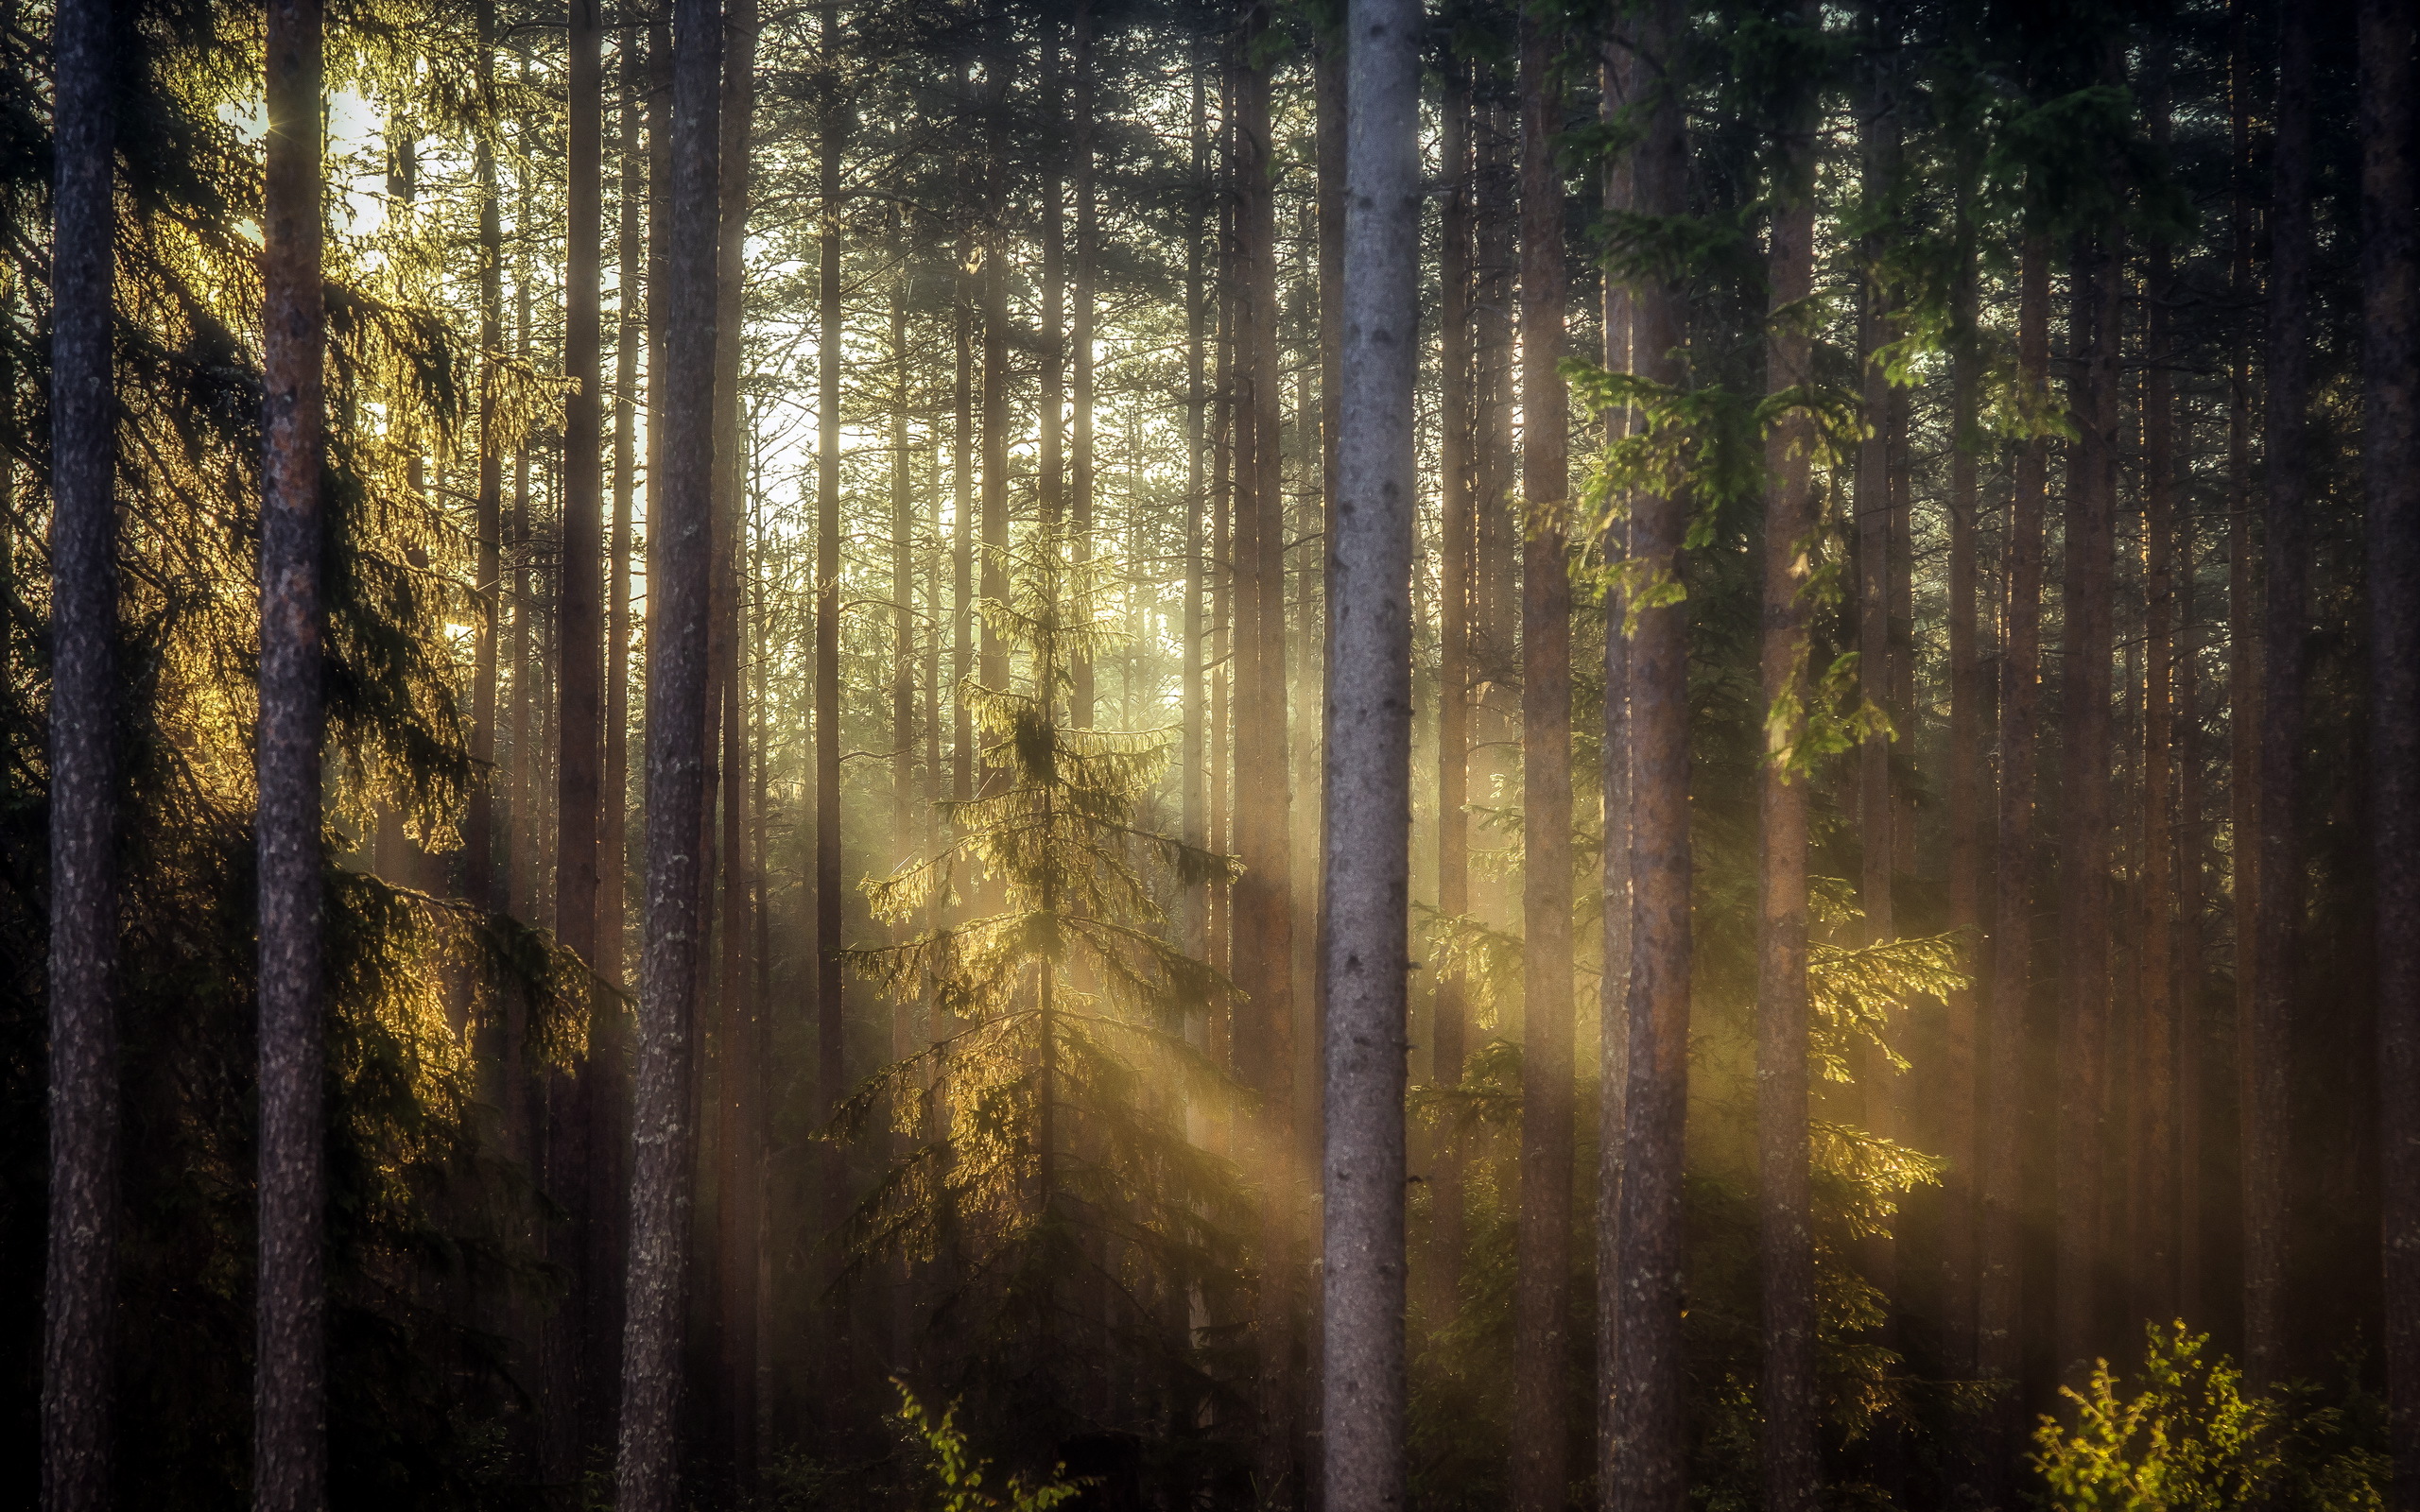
[1264, 906]
[1617, 78]
[2153, 1262]
[2243, 612]
[737, 1220]
[2391, 470]
[2267, 1062]
[1964, 780]
[1081, 345]
[1791, 1453]
[1368, 780]
[831, 1021]
[1497, 607]
[478, 819]
[1050, 419]
[607, 1086]
[678, 591]
[1999, 1286]
[1458, 587]
[1649, 1424]
[962, 462]
[80, 1288]
[1541, 1287]
[2192, 1033]
[1878, 151]
[2088, 755]
[289, 1414]
[1190, 786]
[579, 723]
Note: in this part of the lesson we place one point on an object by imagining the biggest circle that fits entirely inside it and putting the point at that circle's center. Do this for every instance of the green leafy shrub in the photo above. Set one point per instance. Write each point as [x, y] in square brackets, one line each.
[2189, 1440]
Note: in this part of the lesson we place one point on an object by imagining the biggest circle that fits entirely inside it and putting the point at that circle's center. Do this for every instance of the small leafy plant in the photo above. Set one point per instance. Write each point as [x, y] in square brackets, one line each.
[957, 1476]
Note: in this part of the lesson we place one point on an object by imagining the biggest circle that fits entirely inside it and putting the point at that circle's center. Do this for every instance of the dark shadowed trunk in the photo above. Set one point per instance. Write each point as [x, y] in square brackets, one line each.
[1998, 1352]
[1650, 1423]
[2391, 466]
[478, 818]
[1792, 1464]
[2087, 757]
[1456, 558]
[579, 720]
[831, 1026]
[1541, 1287]
[1264, 910]
[289, 1444]
[2151, 1261]
[1618, 76]
[78, 1358]
[1367, 877]
[2268, 1060]
[671, 960]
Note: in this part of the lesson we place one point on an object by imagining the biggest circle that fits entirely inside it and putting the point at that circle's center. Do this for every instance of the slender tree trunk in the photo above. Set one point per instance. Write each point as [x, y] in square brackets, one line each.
[1081, 345]
[478, 819]
[1458, 587]
[1368, 780]
[1264, 896]
[1649, 1424]
[79, 1290]
[579, 722]
[962, 599]
[606, 1082]
[1792, 1452]
[2192, 939]
[736, 1218]
[2243, 613]
[1618, 80]
[2086, 756]
[1998, 1353]
[289, 1414]
[1957, 1096]
[2153, 1079]
[1540, 1294]
[1878, 151]
[2391, 467]
[1190, 786]
[2269, 1035]
[831, 1021]
[678, 590]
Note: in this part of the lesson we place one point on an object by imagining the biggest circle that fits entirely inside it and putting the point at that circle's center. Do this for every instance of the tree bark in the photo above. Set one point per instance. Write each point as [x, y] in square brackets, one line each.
[2269, 1057]
[607, 1082]
[1367, 881]
[1541, 1287]
[1081, 345]
[2088, 755]
[1617, 84]
[1957, 1095]
[670, 965]
[289, 1445]
[1998, 1354]
[1791, 1453]
[80, 1289]
[831, 1021]
[1264, 909]
[2391, 468]
[1650, 1423]
[738, 1221]
[2243, 613]
[1456, 678]
[478, 819]
[2152, 1263]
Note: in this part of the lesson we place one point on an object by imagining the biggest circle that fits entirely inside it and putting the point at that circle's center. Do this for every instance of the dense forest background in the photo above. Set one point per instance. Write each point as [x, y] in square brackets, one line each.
[1912, 767]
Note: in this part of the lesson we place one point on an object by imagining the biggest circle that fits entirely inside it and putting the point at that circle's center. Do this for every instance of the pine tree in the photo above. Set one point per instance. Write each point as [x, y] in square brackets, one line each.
[1064, 1081]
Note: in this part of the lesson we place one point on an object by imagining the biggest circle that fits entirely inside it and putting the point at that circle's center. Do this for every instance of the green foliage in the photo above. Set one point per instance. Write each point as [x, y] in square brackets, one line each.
[1046, 1149]
[956, 1476]
[2191, 1440]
